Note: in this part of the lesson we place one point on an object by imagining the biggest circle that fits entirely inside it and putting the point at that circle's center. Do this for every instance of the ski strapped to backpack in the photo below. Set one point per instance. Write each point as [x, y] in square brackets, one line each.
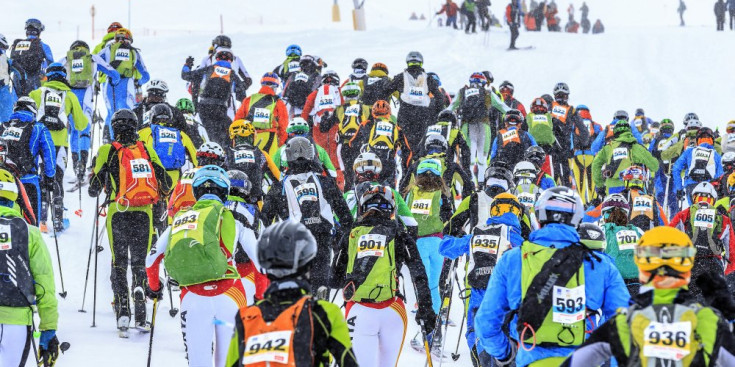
[138, 184]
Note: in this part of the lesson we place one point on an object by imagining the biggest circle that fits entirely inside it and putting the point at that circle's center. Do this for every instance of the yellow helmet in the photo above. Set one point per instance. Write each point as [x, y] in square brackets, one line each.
[506, 203]
[665, 246]
[242, 128]
[8, 186]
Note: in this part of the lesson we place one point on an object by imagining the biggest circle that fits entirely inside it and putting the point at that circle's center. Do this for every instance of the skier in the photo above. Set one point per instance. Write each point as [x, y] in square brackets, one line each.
[451, 8]
[519, 276]
[197, 250]
[11, 76]
[435, 148]
[485, 245]
[622, 238]
[664, 257]
[299, 127]
[320, 106]
[24, 204]
[156, 91]
[245, 156]
[182, 196]
[447, 126]
[134, 179]
[218, 81]
[528, 188]
[377, 83]
[186, 107]
[108, 38]
[221, 42]
[511, 142]
[513, 19]
[662, 180]
[299, 85]
[359, 73]
[684, 139]
[728, 139]
[699, 164]
[468, 9]
[290, 64]
[583, 157]
[311, 328]
[506, 90]
[27, 141]
[720, 10]
[541, 126]
[268, 114]
[645, 212]
[538, 157]
[58, 107]
[28, 286]
[728, 167]
[366, 268]
[81, 69]
[32, 55]
[569, 131]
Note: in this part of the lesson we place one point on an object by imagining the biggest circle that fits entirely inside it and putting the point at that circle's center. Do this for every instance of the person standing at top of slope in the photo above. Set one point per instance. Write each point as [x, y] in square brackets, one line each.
[570, 132]
[416, 89]
[513, 19]
[290, 65]
[223, 41]
[108, 38]
[451, 8]
[33, 55]
[268, 114]
[720, 10]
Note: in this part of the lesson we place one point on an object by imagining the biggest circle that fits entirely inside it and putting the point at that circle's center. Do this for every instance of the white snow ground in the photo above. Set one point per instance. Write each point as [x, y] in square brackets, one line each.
[643, 60]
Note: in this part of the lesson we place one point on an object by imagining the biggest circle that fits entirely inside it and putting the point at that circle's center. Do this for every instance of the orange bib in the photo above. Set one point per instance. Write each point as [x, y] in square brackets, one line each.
[270, 344]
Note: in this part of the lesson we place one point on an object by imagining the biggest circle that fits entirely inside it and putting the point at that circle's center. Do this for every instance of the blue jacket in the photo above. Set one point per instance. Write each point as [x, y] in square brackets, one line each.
[600, 139]
[139, 64]
[546, 182]
[40, 142]
[604, 289]
[453, 248]
[681, 167]
[597, 129]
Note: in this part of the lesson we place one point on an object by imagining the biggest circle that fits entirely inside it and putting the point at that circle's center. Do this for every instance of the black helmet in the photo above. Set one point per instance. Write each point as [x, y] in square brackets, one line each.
[330, 77]
[161, 114]
[489, 76]
[286, 249]
[549, 99]
[498, 179]
[360, 63]
[123, 118]
[222, 41]
[592, 236]
[448, 116]
[536, 155]
[34, 27]
[240, 185]
[513, 117]
[79, 43]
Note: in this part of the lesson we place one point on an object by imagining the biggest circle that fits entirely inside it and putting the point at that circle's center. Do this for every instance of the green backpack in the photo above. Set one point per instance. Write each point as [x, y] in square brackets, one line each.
[541, 128]
[193, 255]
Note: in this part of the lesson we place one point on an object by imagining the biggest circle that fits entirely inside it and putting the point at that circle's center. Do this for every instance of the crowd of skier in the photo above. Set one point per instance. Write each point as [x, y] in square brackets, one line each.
[564, 240]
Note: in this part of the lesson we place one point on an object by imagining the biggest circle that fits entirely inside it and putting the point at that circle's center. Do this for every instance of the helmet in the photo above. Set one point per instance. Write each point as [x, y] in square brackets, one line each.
[525, 169]
[478, 79]
[433, 166]
[377, 199]
[34, 26]
[3, 42]
[548, 98]
[306, 62]
[561, 88]
[447, 116]
[211, 179]
[592, 236]
[435, 143]
[360, 64]
[297, 148]
[368, 166]
[665, 246]
[293, 50]
[379, 66]
[539, 106]
[124, 118]
[435, 76]
[728, 161]
[223, 53]
[242, 128]
[691, 118]
[505, 203]
[8, 186]
[157, 87]
[536, 155]
[222, 41]
[621, 115]
[513, 117]
[559, 205]
[330, 77]
[613, 201]
[351, 91]
[380, 109]
[26, 104]
[640, 112]
[489, 76]
[506, 89]
[185, 105]
[113, 27]
[297, 126]
[584, 112]
[414, 58]
[211, 153]
[705, 132]
[636, 176]
[239, 183]
[704, 192]
[161, 114]
[75, 44]
[620, 127]
[497, 180]
[270, 79]
[55, 70]
[123, 34]
[286, 249]
[667, 126]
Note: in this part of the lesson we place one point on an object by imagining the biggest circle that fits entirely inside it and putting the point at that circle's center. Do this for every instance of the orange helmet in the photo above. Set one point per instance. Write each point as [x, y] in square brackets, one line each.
[113, 27]
[381, 108]
[539, 105]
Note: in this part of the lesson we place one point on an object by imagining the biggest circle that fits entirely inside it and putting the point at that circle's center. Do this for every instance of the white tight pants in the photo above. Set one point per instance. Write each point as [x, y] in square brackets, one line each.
[14, 345]
[377, 333]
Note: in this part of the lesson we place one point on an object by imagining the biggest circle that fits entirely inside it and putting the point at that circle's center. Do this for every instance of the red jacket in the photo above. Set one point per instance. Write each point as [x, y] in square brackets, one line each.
[726, 235]
[450, 8]
[280, 114]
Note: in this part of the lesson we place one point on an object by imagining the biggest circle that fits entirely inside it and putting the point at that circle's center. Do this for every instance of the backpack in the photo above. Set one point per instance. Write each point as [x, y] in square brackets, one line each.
[169, 146]
[79, 68]
[123, 59]
[18, 136]
[541, 128]
[29, 54]
[306, 201]
[473, 108]
[52, 111]
[194, 255]
[138, 184]
[299, 89]
[218, 83]
[17, 289]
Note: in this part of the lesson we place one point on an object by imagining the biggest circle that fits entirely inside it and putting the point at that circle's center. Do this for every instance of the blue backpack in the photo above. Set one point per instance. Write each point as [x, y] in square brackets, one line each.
[169, 146]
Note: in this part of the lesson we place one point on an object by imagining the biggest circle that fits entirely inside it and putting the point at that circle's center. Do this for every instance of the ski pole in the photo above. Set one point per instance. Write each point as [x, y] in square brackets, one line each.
[89, 258]
[455, 355]
[58, 254]
[173, 311]
[153, 326]
[96, 256]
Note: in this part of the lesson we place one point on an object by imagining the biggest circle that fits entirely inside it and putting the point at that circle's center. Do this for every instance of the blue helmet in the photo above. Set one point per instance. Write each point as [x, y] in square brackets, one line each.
[211, 179]
[56, 70]
[34, 26]
[293, 50]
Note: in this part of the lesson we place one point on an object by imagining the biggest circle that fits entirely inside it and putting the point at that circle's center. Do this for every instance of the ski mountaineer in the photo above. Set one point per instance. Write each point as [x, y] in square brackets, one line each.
[435, 147]
[711, 231]
[569, 131]
[218, 81]
[11, 76]
[527, 189]
[622, 152]
[684, 139]
[346, 118]
[304, 195]
[511, 141]
[641, 122]
[222, 41]
[359, 73]
[443, 100]
[186, 107]
[299, 85]
[621, 239]
[57, 108]
[32, 55]
[367, 267]
[583, 156]
[485, 245]
[513, 19]
[376, 86]
[290, 65]
[245, 156]
[447, 126]
[728, 167]
[473, 105]
[23, 203]
[645, 211]
[182, 196]
[299, 127]
[416, 90]
[28, 285]
[197, 250]
[268, 114]
[506, 90]
[541, 126]
[108, 38]
[128, 62]
[639, 334]
[698, 164]
[133, 179]
[156, 91]
[663, 183]
[308, 329]
[537, 156]
[552, 257]
[81, 70]
[27, 141]
[320, 106]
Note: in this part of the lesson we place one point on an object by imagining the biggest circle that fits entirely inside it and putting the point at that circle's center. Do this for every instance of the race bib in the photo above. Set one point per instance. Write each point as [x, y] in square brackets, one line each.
[371, 245]
[383, 128]
[187, 221]
[273, 347]
[416, 94]
[642, 203]
[372, 81]
[52, 100]
[559, 111]
[261, 115]
[469, 92]
[77, 65]
[306, 192]
[353, 110]
[187, 177]
[434, 129]
[301, 77]
[222, 71]
[663, 144]
[667, 340]
[122, 54]
[141, 168]
[421, 206]
[189, 119]
[702, 154]
[587, 124]
[12, 133]
[619, 153]
[147, 118]
[540, 119]
[627, 240]
[294, 66]
[569, 304]
[326, 101]
[704, 218]
[485, 243]
[510, 135]
[527, 199]
[23, 46]
[167, 136]
[6, 239]
[244, 156]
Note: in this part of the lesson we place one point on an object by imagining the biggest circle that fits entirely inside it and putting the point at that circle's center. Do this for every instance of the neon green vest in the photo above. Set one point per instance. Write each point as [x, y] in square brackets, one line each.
[261, 112]
[540, 127]
[79, 68]
[704, 221]
[371, 265]
[425, 209]
[123, 59]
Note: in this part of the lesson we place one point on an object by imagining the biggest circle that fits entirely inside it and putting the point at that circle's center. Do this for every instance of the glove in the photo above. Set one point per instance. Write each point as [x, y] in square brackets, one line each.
[680, 194]
[322, 293]
[511, 355]
[151, 294]
[49, 345]
[426, 316]
[189, 62]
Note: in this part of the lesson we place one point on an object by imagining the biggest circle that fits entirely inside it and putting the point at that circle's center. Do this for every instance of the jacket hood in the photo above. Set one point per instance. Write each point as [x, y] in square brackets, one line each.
[555, 234]
[9, 212]
[626, 137]
[55, 84]
[23, 116]
[223, 63]
[509, 219]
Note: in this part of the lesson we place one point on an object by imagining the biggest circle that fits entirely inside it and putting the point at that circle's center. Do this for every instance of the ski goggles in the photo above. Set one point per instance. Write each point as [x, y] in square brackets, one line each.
[703, 199]
[653, 257]
[430, 168]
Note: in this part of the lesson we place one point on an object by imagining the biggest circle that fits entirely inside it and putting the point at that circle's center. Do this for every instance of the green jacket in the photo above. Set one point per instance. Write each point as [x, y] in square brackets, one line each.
[71, 107]
[279, 159]
[106, 38]
[43, 275]
[622, 236]
[638, 155]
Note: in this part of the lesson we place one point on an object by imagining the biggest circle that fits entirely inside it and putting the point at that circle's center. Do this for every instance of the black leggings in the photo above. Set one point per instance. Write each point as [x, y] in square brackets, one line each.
[129, 244]
[216, 122]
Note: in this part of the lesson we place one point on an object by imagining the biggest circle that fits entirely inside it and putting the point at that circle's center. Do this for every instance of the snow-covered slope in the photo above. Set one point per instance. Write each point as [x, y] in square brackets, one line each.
[644, 60]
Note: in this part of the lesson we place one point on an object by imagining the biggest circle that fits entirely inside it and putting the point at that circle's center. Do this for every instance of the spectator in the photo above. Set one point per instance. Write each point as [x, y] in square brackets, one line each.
[468, 9]
[681, 9]
[720, 9]
[513, 18]
[598, 28]
[482, 11]
[731, 9]
[450, 7]
[540, 13]
[551, 20]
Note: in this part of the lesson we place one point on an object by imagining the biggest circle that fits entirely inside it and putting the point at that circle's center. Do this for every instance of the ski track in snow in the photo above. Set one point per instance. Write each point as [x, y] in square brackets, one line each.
[659, 66]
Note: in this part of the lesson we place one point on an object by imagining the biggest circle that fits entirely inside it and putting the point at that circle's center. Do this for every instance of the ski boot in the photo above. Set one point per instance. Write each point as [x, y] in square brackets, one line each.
[141, 323]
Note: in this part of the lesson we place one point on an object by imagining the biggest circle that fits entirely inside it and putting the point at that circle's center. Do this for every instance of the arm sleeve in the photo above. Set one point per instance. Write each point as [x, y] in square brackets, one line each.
[605, 342]
[48, 151]
[191, 150]
[100, 173]
[648, 159]
[154, 258]
[242, 111]
[140, 67]
[597, 164]
[337, 202]
[452, 247]
[339, 342]
[236, 343]
[308, 106]
[616, 293]
[104, 67]
[80, 120]
[678, 168]
[272, 168]
[42, 271]
[598, 142]
[47, 54]
[281, 117]
[248, 243]
[492, 311]
[164, 180]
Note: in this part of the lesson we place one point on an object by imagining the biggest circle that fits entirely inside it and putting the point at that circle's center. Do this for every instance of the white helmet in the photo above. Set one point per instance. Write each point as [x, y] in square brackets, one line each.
[525, 169]
[367, 162]
[157, 84]
[704, 189]
[559, 205]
